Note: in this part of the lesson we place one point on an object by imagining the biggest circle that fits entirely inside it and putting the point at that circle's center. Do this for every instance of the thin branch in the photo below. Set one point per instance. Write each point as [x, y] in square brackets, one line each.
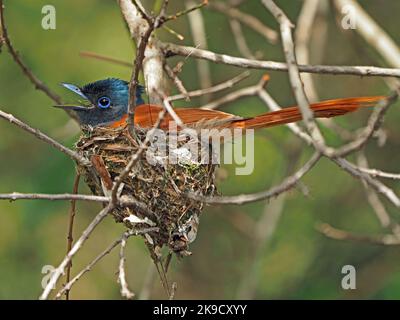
[93, 55]
[70, 238]
[372, 197]
[90, 266]
[76, 247]
[294, 75]
[305, 23]
[246, 19]
[375, 184]
[337, 234]
[219, 87]
[372, 32]
[240, 39]
[238, 94]
[287, 184]
[381, 174]
[186, 11]
[198, 31]
[178, 82]
[125, 292]
[39, 84]
[171, 49]
[153, 58]
[374, 123]
[41, 136]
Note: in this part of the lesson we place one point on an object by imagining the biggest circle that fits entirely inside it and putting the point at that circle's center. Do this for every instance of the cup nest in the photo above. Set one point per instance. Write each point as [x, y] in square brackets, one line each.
[162, 186]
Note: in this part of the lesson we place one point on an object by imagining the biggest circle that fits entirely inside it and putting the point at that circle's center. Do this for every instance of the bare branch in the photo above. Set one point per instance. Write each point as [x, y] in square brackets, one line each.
[171, 49]
[70, 238]
[39, 84]
[337, 234]
[198, 31]
[153, 57]
[286, 185]
[294, 76]
[219, 87]
[89, 267]
[372, 32]
[76, 247]
[374, 123]
[41, 136]
[381, 174]
[240, 39]
[305, 23]
[247, 19]
[89, 54]
[125, 292]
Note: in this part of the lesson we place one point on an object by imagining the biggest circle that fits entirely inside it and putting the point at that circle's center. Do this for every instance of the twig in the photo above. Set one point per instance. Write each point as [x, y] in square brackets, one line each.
[39, 84]
[153, 59]
[374, 123]
[187, 11]
[94, 55]
[337, 234]
[294, 76]
[76, 247]
[247, 19]
[375, 184]
[198, 31]
[241, 93]
[372, 32]
[305, 24]
[286, 185]
[41, 136]
[70, 238]
[89, 267]
[372, 197]
[173, 290]
[240, 39]
[381, 174]
[171, 49]
[219, 87]
[125, 292]
[178, 83]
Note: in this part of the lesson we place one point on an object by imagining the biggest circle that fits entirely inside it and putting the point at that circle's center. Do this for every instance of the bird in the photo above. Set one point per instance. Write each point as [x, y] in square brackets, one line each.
[106, 102]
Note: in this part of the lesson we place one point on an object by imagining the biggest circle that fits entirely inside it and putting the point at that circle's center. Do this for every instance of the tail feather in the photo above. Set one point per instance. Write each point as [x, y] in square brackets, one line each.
[146, 115]
[324, 109]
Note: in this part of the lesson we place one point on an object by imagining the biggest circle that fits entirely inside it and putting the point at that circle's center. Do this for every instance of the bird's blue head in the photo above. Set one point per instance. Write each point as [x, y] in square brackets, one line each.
[105, 101]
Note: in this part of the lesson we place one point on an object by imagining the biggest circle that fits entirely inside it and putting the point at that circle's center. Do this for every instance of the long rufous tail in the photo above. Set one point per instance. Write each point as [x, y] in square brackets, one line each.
[324, 109]
[146, 115]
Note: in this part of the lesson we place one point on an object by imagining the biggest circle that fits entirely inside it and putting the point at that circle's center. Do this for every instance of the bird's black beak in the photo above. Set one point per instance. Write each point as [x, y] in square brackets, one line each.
[73, 107]
[79, 92]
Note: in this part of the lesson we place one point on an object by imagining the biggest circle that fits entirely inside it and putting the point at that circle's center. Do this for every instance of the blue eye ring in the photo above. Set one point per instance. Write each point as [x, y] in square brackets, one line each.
[104, 102]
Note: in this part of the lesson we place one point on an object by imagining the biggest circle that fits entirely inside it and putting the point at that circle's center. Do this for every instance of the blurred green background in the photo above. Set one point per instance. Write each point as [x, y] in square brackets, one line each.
[296, 262]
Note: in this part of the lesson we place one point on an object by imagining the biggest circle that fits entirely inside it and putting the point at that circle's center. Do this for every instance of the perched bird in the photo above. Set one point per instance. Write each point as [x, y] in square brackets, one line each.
[106, 101]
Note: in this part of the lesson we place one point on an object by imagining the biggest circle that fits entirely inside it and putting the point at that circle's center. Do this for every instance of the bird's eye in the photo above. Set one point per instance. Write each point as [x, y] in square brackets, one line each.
[104, 102]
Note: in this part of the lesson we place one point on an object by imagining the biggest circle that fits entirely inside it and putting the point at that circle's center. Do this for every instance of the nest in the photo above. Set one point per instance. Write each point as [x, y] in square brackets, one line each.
[157, 182]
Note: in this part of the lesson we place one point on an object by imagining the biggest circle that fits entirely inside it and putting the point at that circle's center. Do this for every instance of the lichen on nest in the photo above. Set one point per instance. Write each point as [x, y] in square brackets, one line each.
[161, 185]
